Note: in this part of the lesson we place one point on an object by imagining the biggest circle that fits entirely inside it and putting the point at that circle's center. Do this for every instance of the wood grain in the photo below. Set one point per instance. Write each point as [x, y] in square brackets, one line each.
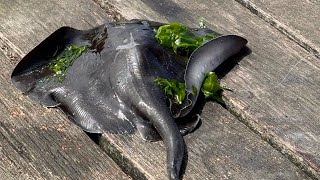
[27, 23]
[299, 20]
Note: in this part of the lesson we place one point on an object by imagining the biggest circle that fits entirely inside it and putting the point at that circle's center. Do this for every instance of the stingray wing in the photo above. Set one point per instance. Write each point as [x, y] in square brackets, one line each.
[85, 96]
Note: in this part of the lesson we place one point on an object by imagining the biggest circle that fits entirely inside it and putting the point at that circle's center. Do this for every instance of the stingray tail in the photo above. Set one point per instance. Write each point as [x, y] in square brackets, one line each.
[171, 136]
[175, 145]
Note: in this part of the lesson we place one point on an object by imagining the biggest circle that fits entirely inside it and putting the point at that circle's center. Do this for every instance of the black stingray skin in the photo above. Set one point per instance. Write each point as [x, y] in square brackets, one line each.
[111, 87]
[204, 60]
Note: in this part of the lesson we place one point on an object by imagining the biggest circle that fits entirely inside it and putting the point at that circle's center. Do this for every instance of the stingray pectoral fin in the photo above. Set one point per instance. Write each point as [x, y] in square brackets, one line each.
[92, 118]
[205, 59]
[31, 70]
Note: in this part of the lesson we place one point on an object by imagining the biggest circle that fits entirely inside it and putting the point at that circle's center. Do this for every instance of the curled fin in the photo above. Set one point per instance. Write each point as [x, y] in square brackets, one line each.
[204, 60]
[31, 70]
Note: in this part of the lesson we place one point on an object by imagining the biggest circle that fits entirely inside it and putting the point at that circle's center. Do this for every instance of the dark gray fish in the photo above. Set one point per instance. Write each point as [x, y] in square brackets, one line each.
[110, 88]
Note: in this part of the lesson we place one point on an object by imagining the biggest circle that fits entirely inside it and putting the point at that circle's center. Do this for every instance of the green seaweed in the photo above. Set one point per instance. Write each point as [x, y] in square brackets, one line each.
[211, 88]
[176, 91]
[173, 89]
[180, 39]
[63, 61]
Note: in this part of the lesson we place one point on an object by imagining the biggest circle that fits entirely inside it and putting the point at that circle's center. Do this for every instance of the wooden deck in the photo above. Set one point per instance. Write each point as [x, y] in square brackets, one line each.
[270, 129]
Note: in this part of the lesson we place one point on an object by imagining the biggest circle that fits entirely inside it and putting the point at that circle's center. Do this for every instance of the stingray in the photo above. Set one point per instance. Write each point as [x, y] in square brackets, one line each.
[110, 87]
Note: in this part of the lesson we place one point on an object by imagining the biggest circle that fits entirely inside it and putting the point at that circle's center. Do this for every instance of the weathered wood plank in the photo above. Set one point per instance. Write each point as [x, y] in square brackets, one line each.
[39, 143]
[27, 23]
[276, 88]
[299, 20]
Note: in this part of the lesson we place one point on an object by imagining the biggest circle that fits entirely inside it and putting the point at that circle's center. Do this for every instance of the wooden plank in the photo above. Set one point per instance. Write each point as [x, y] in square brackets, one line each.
[35, 142]
[299, 20]
[27, 23]
[39, 143]
[276, 88]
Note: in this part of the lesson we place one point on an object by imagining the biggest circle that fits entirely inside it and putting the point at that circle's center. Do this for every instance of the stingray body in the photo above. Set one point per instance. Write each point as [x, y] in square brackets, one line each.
[111, 88]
